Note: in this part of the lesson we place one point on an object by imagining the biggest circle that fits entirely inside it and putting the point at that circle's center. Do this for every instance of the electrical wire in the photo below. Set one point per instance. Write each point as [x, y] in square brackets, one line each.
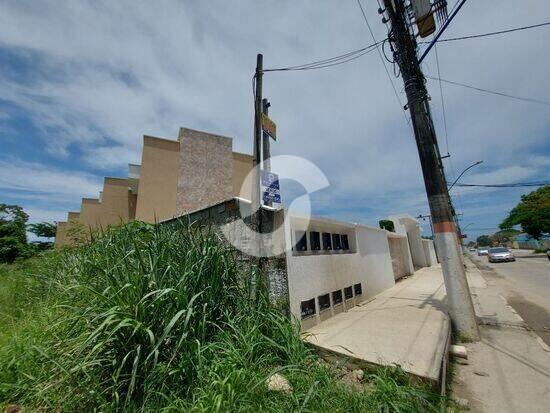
[355, 54]
[442, 101]
[477, 36]
[492, 92]
[515, 185]
[382, 60]
[333, 61]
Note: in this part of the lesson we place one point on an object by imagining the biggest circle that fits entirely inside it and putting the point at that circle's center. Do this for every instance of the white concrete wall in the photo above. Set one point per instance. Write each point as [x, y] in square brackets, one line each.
[417, 248]
[313, 274]
[429, 251]
[401, 256]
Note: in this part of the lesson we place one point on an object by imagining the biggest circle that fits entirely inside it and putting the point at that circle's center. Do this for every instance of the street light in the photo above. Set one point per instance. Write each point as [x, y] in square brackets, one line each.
[467, 225]
[462, 173]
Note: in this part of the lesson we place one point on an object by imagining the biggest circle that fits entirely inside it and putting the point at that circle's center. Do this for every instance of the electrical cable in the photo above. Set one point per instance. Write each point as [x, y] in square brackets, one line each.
[515, 185]
[492, 92]
[354, 54]
[333, 61]
[476, 36]
[382, 60]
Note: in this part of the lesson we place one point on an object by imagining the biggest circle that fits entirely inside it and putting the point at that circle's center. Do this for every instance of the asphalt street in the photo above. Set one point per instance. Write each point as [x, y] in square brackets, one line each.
[527, 283]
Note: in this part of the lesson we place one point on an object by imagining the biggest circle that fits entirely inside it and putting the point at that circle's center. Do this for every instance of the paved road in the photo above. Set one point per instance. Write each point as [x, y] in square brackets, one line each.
[528, 285]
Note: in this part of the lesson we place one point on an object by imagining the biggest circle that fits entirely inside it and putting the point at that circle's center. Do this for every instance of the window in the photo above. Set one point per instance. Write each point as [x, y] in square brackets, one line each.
[336, 297]
[348, 292]
[324, 302]
[308, 308]
[301, 241]
[315, 240]
[358, 289]
[345, 242]
[327, 243]
[336, 242]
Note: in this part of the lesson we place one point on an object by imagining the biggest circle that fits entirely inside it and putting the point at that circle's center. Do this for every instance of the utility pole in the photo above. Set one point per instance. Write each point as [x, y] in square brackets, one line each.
[257, 151]
[266, 149]
[458, 294]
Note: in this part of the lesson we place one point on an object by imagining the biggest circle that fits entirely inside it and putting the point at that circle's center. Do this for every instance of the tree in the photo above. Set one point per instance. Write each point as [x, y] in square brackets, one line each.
[484, 241]
[43, 229]
[504, 236]
[532, 213]
[13, 232]
[386, 224]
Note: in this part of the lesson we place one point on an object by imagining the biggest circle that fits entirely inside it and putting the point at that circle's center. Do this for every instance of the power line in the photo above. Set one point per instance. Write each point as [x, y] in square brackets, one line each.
[442, 101]
[514, 185]
[492, 92]
[355, 54]
[476, 36]
[332, 61]
[382, 60]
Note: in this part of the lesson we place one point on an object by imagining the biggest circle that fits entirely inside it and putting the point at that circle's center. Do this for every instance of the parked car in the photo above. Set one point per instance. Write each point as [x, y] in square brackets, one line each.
[472, 249]
[483, 251]
[500, 254]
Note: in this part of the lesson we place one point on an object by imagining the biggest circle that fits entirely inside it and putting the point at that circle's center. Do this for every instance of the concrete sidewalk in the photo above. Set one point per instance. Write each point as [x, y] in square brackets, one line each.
[406, 325]
[509, 369]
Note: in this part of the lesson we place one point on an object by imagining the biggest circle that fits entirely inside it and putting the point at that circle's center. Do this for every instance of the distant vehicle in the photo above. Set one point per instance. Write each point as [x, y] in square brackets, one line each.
[472, 249]
[500, 254]
[483, 251]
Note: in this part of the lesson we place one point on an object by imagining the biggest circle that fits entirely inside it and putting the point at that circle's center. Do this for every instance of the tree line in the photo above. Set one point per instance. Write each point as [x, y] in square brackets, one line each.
[13, 234]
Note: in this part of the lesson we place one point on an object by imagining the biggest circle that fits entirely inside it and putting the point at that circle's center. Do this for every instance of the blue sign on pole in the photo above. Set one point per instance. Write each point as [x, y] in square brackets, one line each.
[270, 187]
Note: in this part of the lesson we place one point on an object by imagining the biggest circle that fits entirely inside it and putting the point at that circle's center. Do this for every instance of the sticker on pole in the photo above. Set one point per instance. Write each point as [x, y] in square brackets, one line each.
[269, 127]
[271, 192]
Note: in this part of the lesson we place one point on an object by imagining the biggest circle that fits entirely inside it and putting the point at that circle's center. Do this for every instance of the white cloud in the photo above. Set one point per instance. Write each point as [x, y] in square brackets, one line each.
[104, 73]
[35, 180]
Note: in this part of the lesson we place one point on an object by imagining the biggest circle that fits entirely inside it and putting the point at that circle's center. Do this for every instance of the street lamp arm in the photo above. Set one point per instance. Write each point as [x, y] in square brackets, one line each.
[463, 172]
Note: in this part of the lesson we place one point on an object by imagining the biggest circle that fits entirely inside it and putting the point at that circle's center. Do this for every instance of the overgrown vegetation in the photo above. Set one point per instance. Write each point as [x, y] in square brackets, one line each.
[147, 318]
[13, 234]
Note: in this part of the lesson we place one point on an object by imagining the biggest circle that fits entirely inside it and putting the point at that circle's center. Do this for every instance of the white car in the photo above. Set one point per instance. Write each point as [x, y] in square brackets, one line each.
[483, 251]
[500, 254]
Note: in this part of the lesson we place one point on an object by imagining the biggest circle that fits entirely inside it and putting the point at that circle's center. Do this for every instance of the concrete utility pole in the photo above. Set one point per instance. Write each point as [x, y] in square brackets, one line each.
[458, 294]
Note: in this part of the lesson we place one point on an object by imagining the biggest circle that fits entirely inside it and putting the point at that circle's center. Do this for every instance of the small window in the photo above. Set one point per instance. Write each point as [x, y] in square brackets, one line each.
[345, 242]
[336, 297]
[315, 240]
[327, 243]
[348, 292]
[308, 308]
[324, 302]
[336, 242]
[358, 289]
[301, 241]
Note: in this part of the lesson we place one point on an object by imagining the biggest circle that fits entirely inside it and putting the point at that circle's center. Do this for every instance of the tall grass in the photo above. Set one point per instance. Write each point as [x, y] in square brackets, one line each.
[150, 318]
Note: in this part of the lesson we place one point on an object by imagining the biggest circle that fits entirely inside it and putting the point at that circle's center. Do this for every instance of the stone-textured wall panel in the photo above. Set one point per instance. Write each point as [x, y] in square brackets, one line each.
[205, 170]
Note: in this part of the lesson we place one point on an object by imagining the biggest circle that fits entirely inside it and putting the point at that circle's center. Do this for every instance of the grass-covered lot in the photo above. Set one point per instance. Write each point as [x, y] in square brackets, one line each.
[150, 319]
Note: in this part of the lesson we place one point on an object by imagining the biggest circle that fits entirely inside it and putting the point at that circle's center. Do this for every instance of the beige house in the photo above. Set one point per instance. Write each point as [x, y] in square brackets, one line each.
[175, 176]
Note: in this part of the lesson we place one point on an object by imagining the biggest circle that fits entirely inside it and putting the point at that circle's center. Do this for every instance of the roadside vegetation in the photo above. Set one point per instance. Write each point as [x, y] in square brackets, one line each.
[13, 234]
[148, 318]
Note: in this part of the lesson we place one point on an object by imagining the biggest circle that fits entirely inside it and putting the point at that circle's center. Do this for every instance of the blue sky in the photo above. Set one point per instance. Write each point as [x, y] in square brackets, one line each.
[81, 84]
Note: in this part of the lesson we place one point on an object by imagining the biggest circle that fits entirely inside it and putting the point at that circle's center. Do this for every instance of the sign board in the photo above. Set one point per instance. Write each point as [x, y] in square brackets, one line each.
[269, 127]
[271, 192]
